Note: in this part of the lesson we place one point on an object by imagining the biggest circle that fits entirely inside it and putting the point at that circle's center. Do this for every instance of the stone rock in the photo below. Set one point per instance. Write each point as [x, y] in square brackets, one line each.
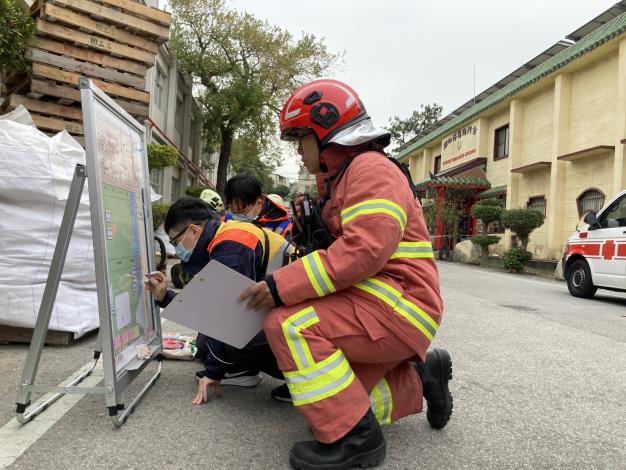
[558, 273]
[466, 252]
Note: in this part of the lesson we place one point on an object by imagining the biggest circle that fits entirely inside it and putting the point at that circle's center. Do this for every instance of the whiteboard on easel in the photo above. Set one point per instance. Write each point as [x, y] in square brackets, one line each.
[119, 190]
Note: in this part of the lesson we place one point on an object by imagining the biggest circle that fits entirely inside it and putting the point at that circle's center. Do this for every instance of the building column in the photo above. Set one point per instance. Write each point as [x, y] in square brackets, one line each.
[483, 138]
[516, 122]
[619, 162]
[413, 166]
[184, 139]
[423, 166]
[560, 140]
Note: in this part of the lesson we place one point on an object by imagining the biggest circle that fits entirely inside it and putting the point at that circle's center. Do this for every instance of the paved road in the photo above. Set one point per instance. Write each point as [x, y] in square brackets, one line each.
[539, 382]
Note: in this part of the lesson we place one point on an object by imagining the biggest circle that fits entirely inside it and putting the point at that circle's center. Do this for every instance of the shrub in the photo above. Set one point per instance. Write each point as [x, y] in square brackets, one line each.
[195, 191]
[159, 211]
[487, 211]
[522, 222]
[516, 258]
[161, 156]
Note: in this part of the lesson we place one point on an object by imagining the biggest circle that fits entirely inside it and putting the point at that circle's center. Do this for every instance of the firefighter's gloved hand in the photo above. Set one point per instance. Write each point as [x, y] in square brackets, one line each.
[259, 296]
[204, 385]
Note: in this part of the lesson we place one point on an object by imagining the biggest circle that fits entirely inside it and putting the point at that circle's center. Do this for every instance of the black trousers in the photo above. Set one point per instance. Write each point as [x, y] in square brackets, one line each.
[255, 356]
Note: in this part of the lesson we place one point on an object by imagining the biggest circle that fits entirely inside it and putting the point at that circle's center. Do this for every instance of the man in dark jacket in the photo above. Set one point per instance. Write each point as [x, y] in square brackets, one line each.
[198, 236]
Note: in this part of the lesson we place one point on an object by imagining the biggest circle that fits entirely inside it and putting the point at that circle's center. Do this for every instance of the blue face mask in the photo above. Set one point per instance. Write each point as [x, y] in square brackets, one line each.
[183, 253]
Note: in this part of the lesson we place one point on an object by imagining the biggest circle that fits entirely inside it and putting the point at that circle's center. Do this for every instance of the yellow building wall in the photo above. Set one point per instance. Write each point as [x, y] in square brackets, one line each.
[536, 183]
[537, 127]
[594, 172]
[497, 171]
[594, 94]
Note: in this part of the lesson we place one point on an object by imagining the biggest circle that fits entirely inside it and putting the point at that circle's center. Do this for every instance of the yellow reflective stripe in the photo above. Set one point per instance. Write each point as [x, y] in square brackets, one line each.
[392, 297]
[292, 327]
[328, 391]
[311, 372]
[413, 250]
[317, 274]
[387, 400]
[375, 206]
[322, 270]
[376, 403]
[312, 381]
[320, 380]
[381, 402]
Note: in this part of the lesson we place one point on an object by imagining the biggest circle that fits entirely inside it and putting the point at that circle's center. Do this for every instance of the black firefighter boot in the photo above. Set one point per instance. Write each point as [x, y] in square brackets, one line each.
[363, 446]
[435, 374]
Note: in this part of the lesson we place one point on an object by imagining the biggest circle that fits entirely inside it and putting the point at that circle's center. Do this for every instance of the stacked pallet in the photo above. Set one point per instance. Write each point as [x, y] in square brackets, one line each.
[113, 42]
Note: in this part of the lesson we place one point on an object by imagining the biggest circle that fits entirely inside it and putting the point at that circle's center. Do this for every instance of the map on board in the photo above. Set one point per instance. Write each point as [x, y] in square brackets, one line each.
[121, 159]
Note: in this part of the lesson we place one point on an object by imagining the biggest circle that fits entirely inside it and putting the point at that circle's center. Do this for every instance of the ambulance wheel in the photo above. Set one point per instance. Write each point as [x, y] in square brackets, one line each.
[579, 280]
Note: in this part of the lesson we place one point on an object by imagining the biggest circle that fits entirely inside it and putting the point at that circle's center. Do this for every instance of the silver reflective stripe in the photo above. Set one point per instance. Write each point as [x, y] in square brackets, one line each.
[414, 249]
[375, 205]
[318, 276]
[326, 388]
[386, 400]
[277, 260]
[297, 339]
[400, 304]
[316, 373]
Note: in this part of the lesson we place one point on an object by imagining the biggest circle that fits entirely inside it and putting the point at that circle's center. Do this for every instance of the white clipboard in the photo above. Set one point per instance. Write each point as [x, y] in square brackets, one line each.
[209, 304]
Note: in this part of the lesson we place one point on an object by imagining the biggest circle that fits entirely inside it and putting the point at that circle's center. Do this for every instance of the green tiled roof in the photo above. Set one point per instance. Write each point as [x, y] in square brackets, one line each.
[453, 182]
[492, 192]
[614, 28]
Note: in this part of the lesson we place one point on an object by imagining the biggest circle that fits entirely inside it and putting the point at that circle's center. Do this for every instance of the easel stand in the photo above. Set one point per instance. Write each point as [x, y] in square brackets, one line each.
[113, 385]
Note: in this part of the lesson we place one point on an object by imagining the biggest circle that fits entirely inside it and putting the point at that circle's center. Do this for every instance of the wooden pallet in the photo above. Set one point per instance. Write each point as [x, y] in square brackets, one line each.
[68, 94]
[141, 27]
[113, 42]
[12, 334]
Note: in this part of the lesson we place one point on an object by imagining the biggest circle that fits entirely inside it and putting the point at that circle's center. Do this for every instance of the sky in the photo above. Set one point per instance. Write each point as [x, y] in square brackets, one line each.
[402, 53]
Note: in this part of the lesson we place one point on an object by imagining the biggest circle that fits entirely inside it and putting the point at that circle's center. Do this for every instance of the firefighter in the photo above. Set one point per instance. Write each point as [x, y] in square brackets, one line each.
[351, 325]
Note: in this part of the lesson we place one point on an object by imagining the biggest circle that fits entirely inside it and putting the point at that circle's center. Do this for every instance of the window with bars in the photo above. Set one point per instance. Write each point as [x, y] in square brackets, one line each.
[501, 143]
[590, 200]
[538, 204]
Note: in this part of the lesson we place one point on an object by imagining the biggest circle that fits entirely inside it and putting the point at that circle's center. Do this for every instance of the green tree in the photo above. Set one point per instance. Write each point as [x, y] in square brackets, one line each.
[16, 31]
[402, 130]
[280, 189]
[246, 159]
[522, 222]
[245, 69]
[487, 211]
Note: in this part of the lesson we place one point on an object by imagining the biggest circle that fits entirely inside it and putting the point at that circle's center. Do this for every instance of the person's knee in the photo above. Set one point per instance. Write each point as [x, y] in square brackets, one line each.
[272, 323]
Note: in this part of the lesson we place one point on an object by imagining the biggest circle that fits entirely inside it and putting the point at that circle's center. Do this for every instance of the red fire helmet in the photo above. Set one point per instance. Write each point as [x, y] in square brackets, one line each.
[332, 110]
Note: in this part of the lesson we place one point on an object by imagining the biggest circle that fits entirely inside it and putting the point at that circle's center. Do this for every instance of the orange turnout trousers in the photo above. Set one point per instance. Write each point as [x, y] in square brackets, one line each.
[356, 315]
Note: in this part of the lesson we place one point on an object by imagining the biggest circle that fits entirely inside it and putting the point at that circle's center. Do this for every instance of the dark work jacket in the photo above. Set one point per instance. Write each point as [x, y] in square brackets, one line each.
[236, 256]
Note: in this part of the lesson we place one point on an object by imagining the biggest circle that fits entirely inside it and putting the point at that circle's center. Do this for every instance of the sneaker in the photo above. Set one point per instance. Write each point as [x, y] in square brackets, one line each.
[281, 393]
[246, 378]
[435, 374]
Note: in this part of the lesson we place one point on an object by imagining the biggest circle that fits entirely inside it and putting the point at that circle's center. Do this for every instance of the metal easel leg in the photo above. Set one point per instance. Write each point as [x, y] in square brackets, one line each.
[47, 302]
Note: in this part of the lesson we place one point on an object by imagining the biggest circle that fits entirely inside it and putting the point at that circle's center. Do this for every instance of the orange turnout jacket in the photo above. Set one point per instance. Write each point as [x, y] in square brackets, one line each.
[354, 315]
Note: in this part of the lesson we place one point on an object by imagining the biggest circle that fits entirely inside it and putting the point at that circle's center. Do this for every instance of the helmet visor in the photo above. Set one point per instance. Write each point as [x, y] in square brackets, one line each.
[293, 134]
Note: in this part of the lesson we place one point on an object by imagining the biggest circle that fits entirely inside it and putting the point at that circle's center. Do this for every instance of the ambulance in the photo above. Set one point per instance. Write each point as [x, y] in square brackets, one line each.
[595, 257]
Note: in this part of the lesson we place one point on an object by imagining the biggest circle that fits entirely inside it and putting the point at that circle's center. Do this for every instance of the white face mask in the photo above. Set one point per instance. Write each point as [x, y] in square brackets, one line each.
[247, 217]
